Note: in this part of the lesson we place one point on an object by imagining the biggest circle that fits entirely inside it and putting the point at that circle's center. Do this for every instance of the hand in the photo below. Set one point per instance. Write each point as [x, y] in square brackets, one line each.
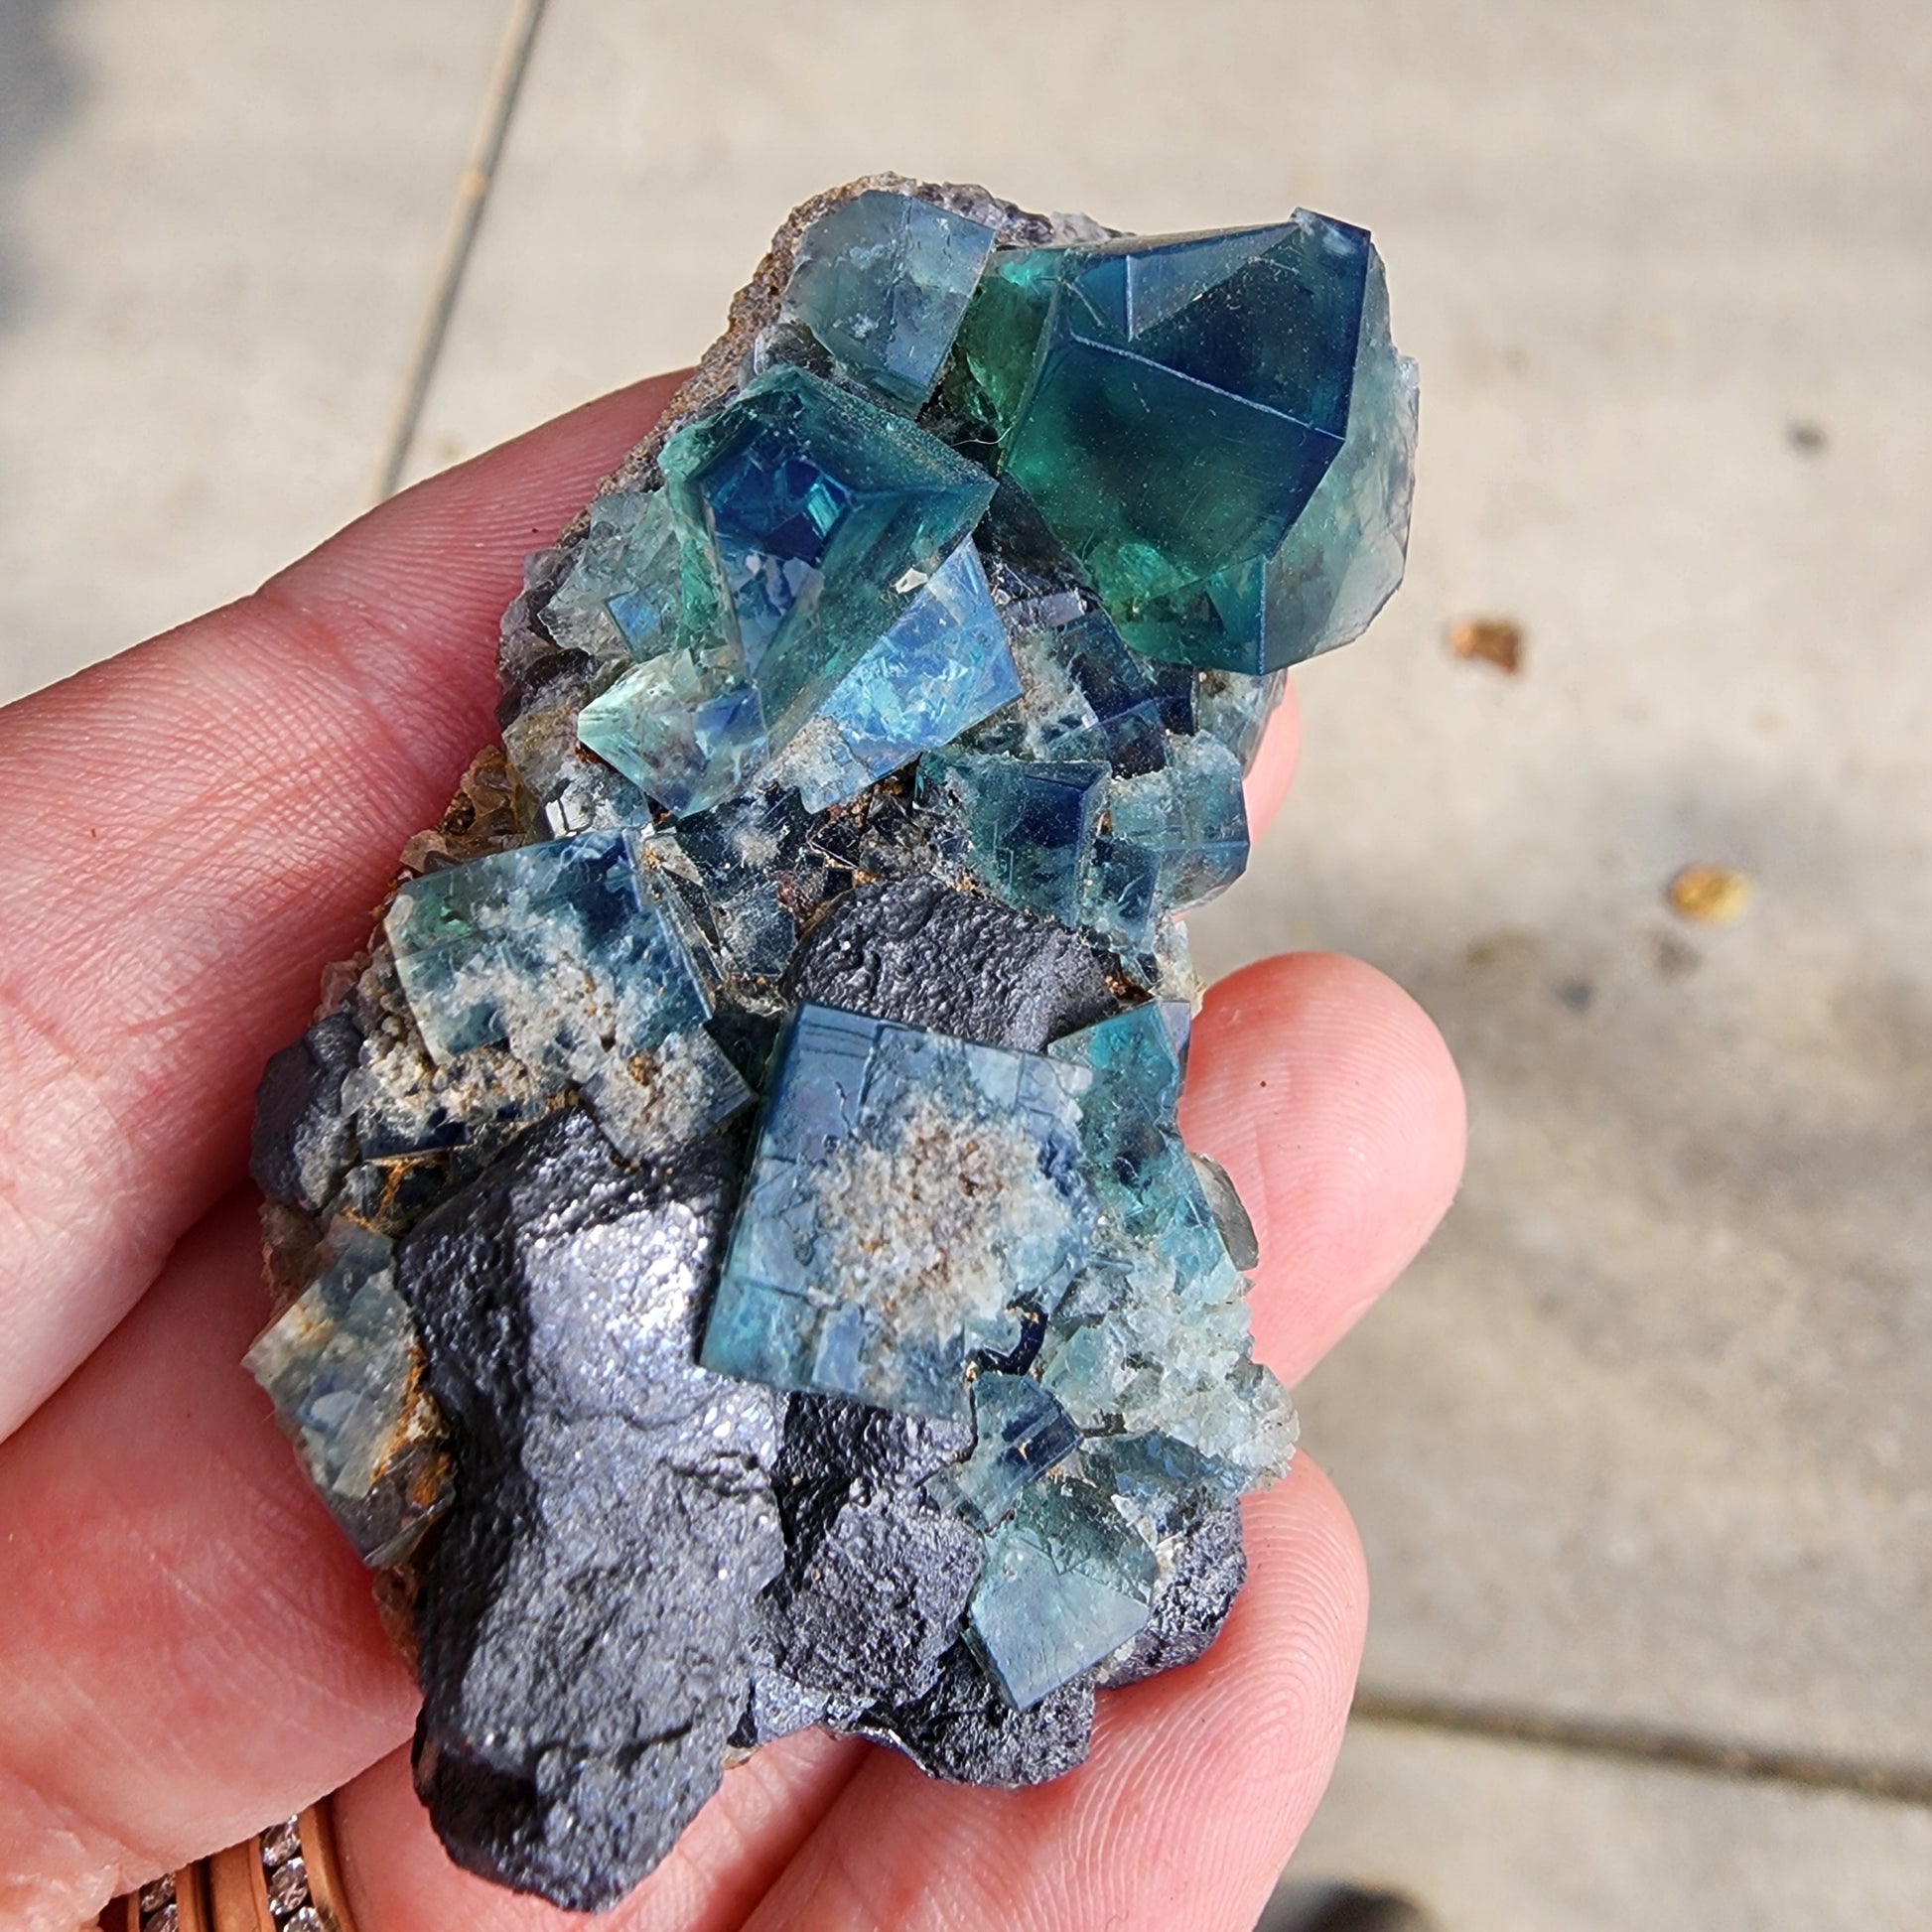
[187, 1646]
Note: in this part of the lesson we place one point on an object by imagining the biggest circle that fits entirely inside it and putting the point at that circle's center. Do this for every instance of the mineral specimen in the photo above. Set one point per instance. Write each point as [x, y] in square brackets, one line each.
[737, 1263]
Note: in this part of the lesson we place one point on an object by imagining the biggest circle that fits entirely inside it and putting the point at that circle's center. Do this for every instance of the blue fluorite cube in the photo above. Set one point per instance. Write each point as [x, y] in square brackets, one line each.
[943, 667]
[337, 1365]
[1020, 1434]
[883, 280]
[343, 1367]
[1029, 825]
[565, 951]
[1066, 1581]
[908, 1192]
[684, 727]
[651, 1102]
[1172, 839]
[1171, 404]
[1089, 696]
[826, 515]
[622, 591]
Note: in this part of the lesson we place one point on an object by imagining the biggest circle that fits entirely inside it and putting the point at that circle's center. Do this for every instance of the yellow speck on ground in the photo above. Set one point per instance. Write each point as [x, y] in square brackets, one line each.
[1494, 640]
[1710, 895]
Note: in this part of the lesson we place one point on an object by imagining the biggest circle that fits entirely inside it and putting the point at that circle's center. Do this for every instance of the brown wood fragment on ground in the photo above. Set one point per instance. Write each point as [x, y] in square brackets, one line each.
[1710, 895]
[1490, 640]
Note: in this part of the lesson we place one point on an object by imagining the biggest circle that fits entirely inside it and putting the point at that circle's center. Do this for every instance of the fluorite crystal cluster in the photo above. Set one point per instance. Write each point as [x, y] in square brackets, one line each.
[737, 1266]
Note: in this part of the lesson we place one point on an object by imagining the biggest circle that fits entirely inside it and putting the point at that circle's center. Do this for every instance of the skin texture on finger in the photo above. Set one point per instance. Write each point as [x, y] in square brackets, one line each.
[400, 1880]
[1331, 1099]
[1197, 1788]
[188, 1648]
[197, 825]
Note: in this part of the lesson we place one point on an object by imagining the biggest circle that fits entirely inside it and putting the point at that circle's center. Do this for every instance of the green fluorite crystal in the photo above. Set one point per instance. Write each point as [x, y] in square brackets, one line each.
[1342, 560]
[1115, 377]
[1155, 1338]
[1170, 838]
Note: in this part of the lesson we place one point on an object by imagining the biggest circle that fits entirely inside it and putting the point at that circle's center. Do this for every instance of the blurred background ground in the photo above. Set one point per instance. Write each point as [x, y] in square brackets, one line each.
[1639, 1447]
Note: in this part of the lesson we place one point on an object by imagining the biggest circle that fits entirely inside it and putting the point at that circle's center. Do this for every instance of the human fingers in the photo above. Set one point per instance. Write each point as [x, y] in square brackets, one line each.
[190, 1648]
[194, 826]
[400, 1880]
[1198, 1784]
[165, 1557]
[1328, 1094]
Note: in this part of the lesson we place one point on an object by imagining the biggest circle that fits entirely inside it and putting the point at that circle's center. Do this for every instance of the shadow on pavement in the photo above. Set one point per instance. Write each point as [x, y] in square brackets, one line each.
[38, 92]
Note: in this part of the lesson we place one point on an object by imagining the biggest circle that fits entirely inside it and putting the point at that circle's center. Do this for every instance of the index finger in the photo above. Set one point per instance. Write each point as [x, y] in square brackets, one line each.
[194, 827]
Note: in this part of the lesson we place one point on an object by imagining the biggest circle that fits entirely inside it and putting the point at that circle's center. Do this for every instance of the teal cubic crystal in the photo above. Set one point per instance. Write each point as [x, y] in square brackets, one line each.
[1086, 695]
[621, 595]
[565, 951]
[1065, 1582]
[653, 1101]
[1029, 825]
[1342, 559]
[826, 515]
[683, 721]
[748, 852]
[343, 1367]
[799, 528]
[999, 337]
[1171, 405]
[1154, 1337]
[882, 281]
[1172, 839]
[1234, 710]
[1157, 1484]
[940, 670]
[907, 1193]
[684, 727]
[1021, 1433]
[1133, 1089]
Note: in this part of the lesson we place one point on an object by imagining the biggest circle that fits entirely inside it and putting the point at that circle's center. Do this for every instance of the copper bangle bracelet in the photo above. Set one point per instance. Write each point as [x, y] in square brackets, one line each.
[284, 1880]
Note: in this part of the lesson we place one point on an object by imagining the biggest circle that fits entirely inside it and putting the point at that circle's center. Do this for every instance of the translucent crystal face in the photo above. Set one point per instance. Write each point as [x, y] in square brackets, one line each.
[826, 515]
[1066, 1583]
[1112, 376]
[882, 281]
[1020, 1434]
[737, 1204]
[563, 949]
[908, 1192]
[343, 1368]
[943, 665]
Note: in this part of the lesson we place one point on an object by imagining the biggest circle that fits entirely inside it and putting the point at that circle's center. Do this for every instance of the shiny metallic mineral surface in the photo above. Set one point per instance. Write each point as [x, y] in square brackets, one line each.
[737, 1267]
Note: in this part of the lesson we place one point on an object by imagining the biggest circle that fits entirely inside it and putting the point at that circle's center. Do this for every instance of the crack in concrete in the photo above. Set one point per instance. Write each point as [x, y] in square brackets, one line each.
[1650, 1745]
[472, 196]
